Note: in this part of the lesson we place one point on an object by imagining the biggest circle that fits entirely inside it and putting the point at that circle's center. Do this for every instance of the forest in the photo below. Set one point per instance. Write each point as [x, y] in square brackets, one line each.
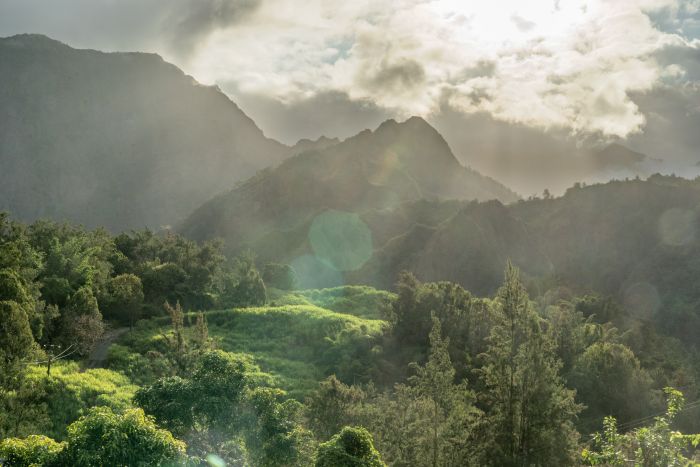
[151, 349]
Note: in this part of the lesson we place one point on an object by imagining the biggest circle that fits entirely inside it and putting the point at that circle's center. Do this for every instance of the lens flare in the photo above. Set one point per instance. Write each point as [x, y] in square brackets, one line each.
[341, 239]
[314, 273]
[677, 227]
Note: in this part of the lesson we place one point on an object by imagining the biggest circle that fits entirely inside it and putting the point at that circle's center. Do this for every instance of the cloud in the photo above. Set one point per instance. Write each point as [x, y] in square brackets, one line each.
[568, 66]
[394, 77]
[331, 114]
[190, 22]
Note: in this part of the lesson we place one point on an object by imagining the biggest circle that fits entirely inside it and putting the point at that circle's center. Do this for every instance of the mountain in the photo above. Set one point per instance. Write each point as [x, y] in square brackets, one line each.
[530, 160]
[635, 240]
[122, 140]
[396, 163]
[338, 219]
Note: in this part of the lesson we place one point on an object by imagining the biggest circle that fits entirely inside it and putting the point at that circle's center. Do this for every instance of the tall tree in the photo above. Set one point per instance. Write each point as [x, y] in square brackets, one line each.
[125, 298]
[434, 381]
[16, 343]
[449, 404]
[529, 411]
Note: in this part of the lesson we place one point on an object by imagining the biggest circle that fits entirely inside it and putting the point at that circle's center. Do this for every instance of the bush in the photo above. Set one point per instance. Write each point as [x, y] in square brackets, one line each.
[56, 401]
[34, 450]
[105, 438]
[352, 447]
[279, 276]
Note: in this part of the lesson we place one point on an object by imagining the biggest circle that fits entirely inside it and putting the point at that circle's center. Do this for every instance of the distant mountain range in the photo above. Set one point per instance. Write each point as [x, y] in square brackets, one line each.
[121, 140]
[530, 160]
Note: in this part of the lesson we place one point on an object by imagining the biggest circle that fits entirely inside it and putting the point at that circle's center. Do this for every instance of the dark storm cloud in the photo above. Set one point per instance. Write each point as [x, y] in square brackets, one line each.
[194, 20]
[673, 118]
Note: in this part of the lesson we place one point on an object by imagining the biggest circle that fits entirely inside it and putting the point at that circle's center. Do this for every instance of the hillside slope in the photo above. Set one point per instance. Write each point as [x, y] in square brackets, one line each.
[122, 140]
[635, 240]
[396, 163]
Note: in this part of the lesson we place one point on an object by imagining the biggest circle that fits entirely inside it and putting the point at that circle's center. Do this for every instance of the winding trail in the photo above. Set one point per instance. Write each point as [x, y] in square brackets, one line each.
[99, 353]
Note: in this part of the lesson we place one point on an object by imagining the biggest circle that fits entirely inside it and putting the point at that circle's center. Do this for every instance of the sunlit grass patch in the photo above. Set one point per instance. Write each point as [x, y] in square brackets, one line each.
[292, 346]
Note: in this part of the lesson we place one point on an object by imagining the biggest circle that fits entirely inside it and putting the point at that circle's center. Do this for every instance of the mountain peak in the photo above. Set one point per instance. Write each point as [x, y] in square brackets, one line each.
[141, 143]
[616, 155]
[306, 144]
[414, 123]
[33, 40]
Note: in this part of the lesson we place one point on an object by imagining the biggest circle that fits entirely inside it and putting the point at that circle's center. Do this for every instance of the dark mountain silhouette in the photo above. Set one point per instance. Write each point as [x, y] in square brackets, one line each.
[120, 140]
[379, 169]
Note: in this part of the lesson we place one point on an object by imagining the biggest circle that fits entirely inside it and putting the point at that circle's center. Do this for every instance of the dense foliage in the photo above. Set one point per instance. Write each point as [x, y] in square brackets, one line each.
[427, 375]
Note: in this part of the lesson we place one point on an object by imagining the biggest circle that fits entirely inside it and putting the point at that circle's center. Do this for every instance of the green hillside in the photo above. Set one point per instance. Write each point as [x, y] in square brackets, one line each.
[294, 346]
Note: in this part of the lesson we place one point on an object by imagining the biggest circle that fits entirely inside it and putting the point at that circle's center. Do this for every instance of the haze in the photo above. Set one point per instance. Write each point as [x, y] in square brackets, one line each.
[587, 72]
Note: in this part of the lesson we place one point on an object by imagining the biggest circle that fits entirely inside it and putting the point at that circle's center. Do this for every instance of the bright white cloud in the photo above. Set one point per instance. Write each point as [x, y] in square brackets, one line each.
[564, 64]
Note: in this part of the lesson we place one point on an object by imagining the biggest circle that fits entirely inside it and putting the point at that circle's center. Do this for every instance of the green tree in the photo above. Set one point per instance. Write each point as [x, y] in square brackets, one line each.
[245, 287]
[435, 382]
[529, 411]
[34, 450]
[277, 438]
[657, 445]
[449, 404]
[201, 332]
[206, 407]
[610, 381]
[279, 276]
[80, 324]
[352, 447]
[329, 408]
[16, 343]
[125, 298]
[131, 439]
[177, 320]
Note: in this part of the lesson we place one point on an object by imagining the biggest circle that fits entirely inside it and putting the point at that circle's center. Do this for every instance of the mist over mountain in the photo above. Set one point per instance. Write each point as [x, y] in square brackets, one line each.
[530, 160]
[121, 140]
[525, 158]
[605, 237]
[379, 169]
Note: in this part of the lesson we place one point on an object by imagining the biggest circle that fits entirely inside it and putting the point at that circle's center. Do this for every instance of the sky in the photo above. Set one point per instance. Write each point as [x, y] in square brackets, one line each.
[591, 70]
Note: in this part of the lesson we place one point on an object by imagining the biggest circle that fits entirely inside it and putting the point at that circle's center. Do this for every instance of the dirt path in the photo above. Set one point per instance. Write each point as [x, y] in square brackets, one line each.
[99, 353]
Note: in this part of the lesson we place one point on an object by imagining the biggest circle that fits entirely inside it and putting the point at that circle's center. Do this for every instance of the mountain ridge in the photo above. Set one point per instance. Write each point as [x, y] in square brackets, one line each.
[396, 162]
[118, 139]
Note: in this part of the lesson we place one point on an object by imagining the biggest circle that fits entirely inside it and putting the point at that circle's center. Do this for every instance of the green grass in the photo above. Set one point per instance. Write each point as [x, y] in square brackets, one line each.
[292, 346]
[58, 400]
[361, 301]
